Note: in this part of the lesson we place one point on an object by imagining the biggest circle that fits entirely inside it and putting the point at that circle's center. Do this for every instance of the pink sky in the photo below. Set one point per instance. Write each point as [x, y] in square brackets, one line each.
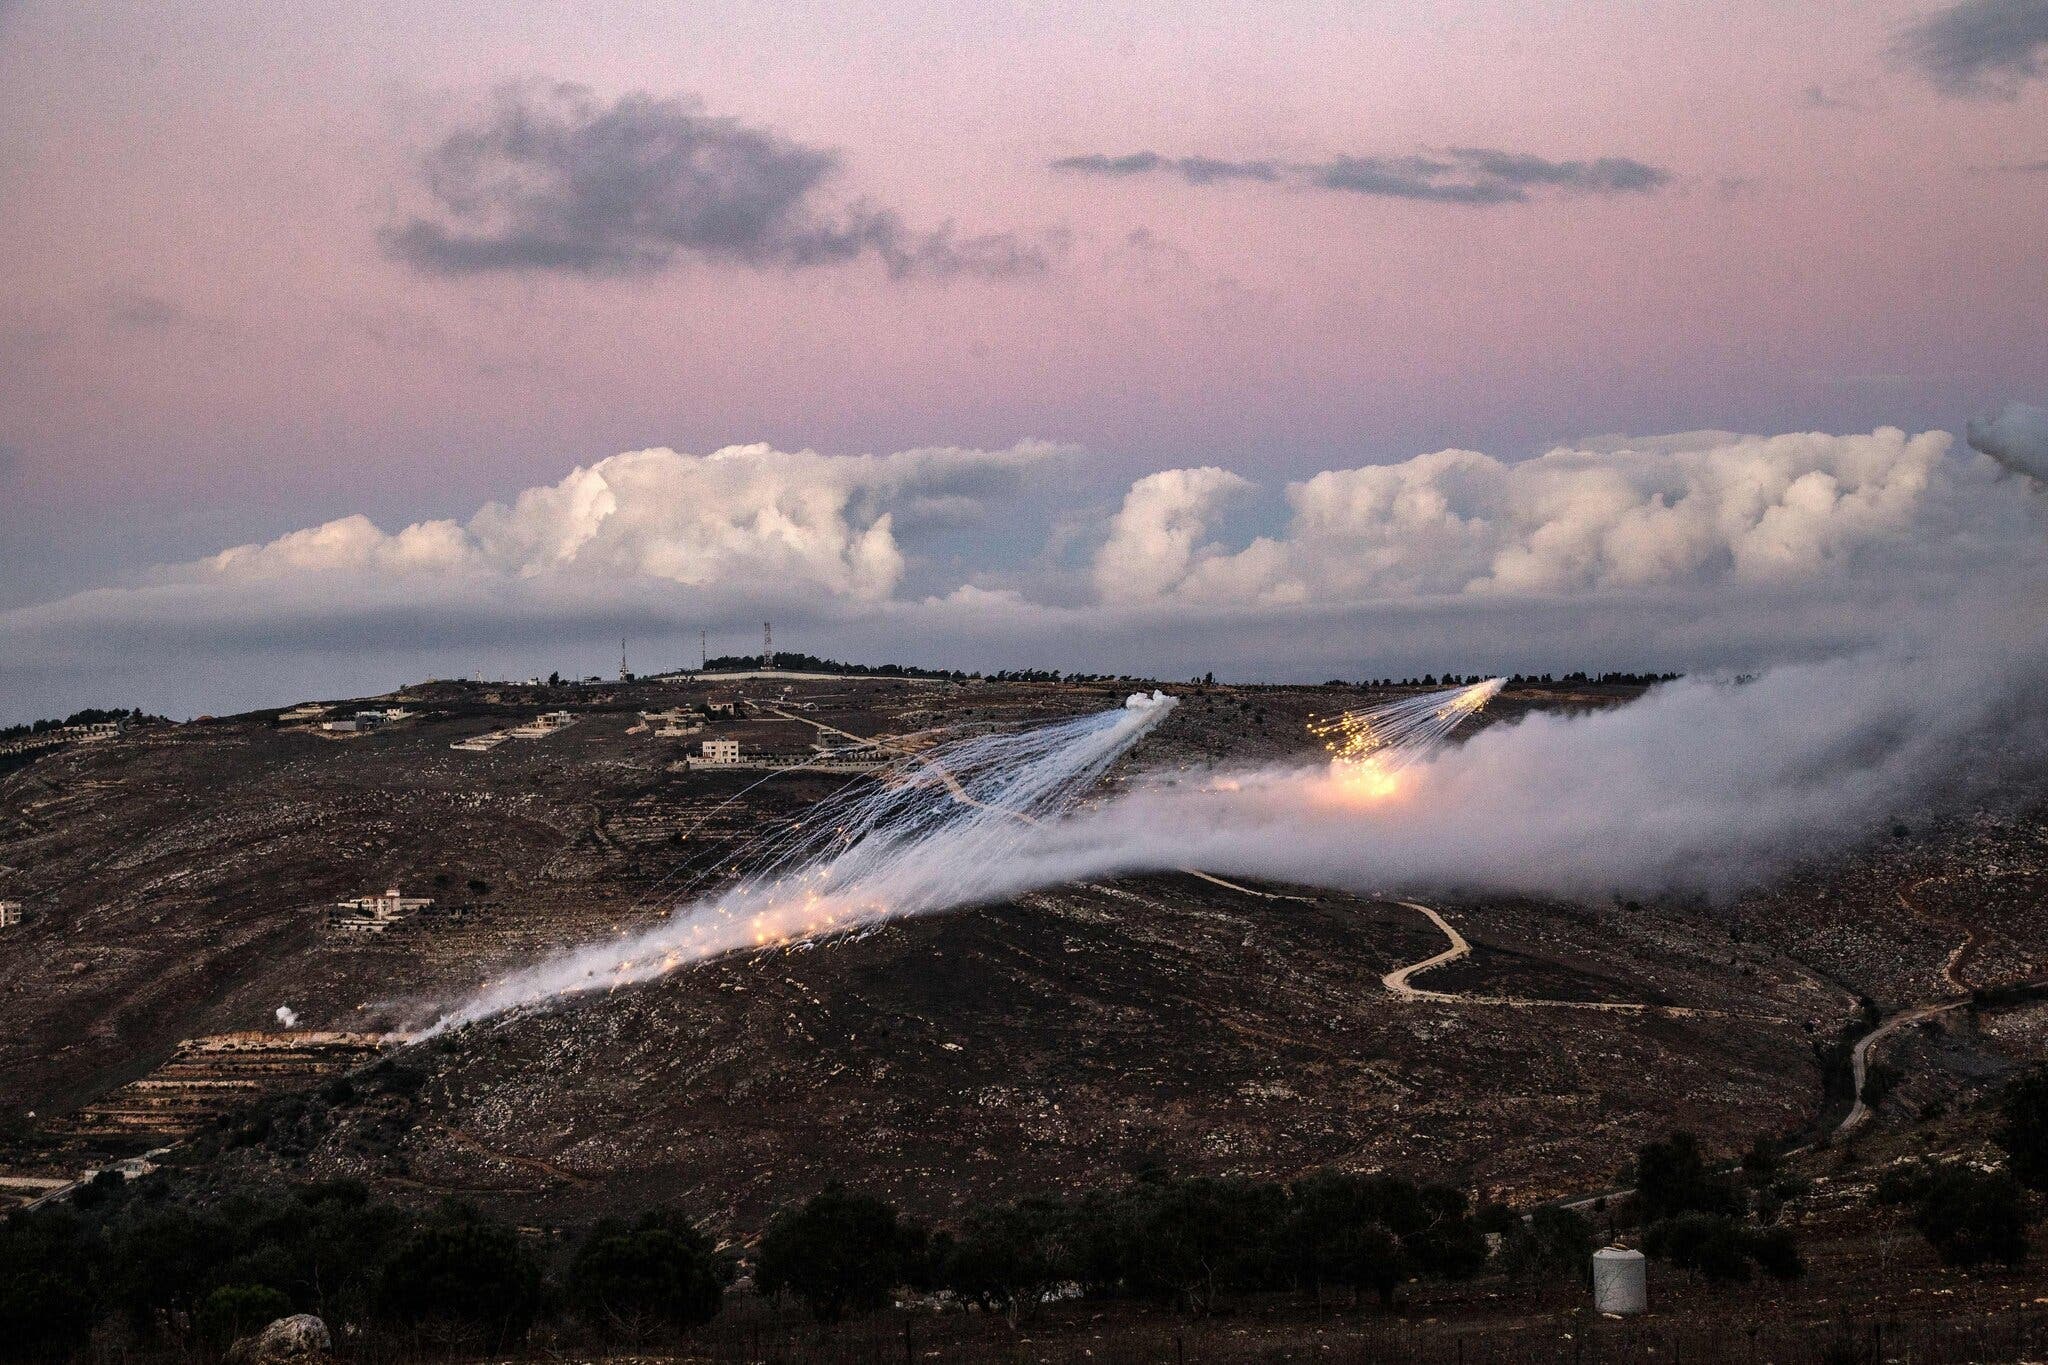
[202, 340]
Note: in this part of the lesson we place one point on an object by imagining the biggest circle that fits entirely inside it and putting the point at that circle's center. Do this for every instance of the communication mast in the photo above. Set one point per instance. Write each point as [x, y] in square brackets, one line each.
[767, 646]
[703, 649]
[624, 675]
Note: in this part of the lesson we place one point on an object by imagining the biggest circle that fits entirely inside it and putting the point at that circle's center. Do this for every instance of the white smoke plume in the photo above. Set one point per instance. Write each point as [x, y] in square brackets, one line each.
[943, 829]
[287, 1016]
[1701, 786]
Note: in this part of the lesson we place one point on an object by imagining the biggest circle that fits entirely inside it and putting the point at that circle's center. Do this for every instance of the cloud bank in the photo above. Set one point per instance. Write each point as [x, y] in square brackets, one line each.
[2017, 438]
[553, 180]
[1980, 49]
[1458, 175]
[1689, 551]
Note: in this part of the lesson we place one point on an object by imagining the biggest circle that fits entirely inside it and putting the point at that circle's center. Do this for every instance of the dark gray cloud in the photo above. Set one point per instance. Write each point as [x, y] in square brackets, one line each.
[1979, 49]
[2017, 438]
[1196, 170]
[552, 179]
[1817, 97]
[141, 311]
[1458, 175]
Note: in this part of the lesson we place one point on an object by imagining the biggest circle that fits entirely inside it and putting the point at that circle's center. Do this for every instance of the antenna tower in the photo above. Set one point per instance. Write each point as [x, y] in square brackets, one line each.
[767, 646]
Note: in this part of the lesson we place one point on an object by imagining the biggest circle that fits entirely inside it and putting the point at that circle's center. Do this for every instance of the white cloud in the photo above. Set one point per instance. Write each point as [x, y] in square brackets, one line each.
[1152, 538]
[1693, 551]
[1693, 510]
[745, 514]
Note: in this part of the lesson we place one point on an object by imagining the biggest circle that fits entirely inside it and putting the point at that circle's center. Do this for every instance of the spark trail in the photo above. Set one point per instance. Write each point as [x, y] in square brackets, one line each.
[938, 830]
[1371, 747]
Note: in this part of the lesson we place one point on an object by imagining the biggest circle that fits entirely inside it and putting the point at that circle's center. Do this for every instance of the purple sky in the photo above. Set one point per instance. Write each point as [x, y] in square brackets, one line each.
[1826, 217]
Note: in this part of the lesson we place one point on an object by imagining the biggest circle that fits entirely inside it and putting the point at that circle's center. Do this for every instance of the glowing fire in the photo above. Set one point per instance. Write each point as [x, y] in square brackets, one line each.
[1371, 749]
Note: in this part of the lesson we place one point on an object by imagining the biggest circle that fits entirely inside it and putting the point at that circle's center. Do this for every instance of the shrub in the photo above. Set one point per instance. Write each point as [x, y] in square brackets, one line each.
[236, 1310]
[2023, 1127]
[1970, 1216]
[1722, 1248]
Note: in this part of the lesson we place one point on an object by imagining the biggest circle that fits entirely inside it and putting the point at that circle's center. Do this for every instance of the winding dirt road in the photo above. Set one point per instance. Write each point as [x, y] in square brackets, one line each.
[1398, 985]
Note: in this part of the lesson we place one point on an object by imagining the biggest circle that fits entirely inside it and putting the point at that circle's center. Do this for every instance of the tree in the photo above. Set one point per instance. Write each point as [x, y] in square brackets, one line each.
[1554, 1243]
[1196, 1239]
[660, 1268]
[840, 1253]
[1712, 1244]
[2023, 1127]
[1672, 1178]
[1008, 1257]
[1331, 1237]
[463, 1268]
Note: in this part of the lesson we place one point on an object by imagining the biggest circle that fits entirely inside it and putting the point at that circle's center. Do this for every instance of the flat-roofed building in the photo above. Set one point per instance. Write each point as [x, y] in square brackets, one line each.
[374, 914]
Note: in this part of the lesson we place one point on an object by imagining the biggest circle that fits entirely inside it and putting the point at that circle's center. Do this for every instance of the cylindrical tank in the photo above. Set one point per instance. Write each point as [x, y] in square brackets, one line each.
[1620, 1281]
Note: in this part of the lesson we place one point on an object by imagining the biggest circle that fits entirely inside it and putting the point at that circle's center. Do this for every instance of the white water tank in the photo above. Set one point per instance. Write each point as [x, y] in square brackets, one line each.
[1620, 1281]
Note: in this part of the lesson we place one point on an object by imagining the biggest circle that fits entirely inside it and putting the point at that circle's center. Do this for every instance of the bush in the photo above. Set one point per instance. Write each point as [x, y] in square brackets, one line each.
[236, 1310]
[840, 1253]
[659, 1269]
[1722, 1248]
[1968, 1216]
[2023, 1127]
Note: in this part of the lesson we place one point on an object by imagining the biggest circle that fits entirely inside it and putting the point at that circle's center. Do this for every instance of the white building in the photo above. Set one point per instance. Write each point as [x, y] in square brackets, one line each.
[374, 914]
[721, 751]
[10, 914]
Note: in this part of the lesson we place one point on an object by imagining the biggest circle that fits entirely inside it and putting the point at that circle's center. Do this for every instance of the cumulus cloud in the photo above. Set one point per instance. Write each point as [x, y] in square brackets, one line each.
[1697, 550]
[1693, 511]
[804, 522]
[1980, 49]
[1457, 175]
[552, 179]
[2017, 438]
[1152, 538]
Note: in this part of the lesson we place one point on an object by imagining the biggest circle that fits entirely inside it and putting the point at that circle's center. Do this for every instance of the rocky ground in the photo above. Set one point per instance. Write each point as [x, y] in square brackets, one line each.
[178, 882]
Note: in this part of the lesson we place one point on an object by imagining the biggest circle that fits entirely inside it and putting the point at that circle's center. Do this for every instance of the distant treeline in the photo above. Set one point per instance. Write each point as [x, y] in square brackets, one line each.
[811, 663]
[153, 1263]
[89, 716]
[1517, 680]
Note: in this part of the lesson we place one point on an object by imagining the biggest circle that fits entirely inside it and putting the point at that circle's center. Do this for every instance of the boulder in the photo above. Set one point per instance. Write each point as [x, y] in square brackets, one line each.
[297, 1340]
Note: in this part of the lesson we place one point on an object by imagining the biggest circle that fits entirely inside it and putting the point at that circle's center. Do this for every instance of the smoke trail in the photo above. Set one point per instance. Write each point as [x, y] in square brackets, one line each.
[1700, 786]
[943, 829]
